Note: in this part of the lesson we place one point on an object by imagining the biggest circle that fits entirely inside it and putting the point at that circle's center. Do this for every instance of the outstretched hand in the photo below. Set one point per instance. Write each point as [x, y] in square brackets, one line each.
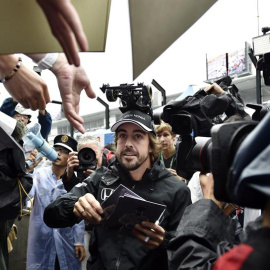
[66, 26]
[71, 81]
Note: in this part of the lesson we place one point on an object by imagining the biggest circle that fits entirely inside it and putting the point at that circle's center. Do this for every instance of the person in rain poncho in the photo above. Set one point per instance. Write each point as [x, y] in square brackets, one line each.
[53, 248]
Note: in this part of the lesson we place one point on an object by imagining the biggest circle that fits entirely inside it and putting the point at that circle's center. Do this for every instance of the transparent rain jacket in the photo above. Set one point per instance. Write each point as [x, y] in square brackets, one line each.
[44, 242]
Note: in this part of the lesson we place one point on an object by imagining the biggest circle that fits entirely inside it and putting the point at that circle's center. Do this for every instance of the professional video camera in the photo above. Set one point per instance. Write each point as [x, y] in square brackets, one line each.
[131, 97]
[216, 152]
[87, 159]
[194, 116]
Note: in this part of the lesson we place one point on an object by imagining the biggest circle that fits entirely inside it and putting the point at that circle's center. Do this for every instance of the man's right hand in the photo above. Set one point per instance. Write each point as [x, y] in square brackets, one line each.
[72, 162]
[89, 209]
[207, 184]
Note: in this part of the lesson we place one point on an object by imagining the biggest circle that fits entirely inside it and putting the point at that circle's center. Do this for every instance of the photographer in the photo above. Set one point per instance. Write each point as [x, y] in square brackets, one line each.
[207, 229]
[102, 158]
[206, 232]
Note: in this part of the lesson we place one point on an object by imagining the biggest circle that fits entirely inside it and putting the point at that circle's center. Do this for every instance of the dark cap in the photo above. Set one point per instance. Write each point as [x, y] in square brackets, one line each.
[65, 141]
[136, 117]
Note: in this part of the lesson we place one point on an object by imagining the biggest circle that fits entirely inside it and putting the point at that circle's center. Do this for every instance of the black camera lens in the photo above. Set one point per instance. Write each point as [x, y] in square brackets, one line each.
[87, 159]
[86, 155]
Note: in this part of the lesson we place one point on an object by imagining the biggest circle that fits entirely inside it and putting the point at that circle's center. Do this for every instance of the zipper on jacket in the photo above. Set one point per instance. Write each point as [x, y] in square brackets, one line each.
[117, 265]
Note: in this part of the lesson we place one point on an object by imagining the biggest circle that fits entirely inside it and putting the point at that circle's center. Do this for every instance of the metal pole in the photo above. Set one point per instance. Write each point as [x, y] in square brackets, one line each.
[258, 87]
[107, 112]
[162, 90]
[258, 77]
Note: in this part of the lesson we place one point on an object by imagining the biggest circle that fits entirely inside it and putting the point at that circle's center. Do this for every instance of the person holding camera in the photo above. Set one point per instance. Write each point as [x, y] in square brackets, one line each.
[89, 157]
[137, 167]
[207, 227]
[53, 248]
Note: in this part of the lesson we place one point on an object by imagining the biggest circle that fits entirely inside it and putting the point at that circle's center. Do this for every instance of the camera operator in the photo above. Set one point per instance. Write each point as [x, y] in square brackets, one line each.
[210, 232]
[205, 232]
[103, 158]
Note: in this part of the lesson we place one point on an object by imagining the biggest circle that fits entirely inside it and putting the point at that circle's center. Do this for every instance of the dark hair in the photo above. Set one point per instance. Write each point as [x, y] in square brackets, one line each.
[153, 143]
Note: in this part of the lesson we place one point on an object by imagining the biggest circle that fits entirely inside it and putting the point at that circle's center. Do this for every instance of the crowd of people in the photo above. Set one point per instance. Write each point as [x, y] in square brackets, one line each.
[68, 223]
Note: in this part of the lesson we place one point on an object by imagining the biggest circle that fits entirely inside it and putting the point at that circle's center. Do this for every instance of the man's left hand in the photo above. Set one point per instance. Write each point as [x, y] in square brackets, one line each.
[149, 234]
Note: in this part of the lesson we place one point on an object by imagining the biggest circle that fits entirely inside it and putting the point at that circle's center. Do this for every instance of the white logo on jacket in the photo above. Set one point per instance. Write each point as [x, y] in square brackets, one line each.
[105, 193]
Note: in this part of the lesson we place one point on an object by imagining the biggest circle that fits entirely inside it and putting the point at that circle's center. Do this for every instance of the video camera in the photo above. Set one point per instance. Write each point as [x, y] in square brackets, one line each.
[206, 145]
[132, 97]
[193, 117]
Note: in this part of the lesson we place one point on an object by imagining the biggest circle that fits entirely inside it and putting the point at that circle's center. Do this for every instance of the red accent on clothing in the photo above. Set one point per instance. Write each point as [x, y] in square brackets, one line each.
[233, 259]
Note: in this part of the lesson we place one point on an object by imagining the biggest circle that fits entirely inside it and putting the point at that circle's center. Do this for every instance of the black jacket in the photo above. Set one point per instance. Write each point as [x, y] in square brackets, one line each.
[205, 240]
[202, 228]
[117, 248]
[15, 182]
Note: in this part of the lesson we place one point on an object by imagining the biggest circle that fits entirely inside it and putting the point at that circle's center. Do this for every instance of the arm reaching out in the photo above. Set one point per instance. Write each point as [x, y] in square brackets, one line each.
[25, 86]
[71, 81]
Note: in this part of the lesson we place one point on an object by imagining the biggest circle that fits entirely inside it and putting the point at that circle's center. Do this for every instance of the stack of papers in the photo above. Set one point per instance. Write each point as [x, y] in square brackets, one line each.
[124, 207]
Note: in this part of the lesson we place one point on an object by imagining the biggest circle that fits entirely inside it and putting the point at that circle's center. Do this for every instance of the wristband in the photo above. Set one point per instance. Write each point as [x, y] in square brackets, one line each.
[9, 76]
[48, 61]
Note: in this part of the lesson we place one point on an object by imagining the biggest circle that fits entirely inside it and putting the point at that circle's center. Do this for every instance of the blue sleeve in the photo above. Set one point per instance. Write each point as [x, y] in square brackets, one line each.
[45, 122]
[78, 233]
[8, 106]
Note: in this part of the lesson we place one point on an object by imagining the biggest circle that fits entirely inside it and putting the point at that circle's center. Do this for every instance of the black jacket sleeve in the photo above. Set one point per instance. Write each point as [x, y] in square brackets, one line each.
[201, 229]
[72, 182]
[59, 213]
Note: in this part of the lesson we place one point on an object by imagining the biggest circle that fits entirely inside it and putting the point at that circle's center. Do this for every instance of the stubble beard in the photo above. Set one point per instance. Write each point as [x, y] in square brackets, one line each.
[131, 165]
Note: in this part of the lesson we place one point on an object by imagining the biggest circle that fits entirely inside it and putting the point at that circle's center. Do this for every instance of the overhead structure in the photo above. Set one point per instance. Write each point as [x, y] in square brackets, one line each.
[26, 30]
[156, 24]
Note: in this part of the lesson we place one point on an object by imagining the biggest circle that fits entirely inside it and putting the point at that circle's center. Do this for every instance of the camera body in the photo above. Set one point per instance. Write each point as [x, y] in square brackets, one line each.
[226, 140]
[207, 145]
[87, 159]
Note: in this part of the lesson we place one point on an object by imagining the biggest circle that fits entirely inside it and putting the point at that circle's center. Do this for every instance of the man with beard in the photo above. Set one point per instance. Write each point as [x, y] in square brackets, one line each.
[138, 168]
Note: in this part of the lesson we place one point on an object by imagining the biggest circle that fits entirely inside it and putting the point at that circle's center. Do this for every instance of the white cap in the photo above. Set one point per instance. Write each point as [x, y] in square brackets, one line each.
[7, 123]
[21, 110]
